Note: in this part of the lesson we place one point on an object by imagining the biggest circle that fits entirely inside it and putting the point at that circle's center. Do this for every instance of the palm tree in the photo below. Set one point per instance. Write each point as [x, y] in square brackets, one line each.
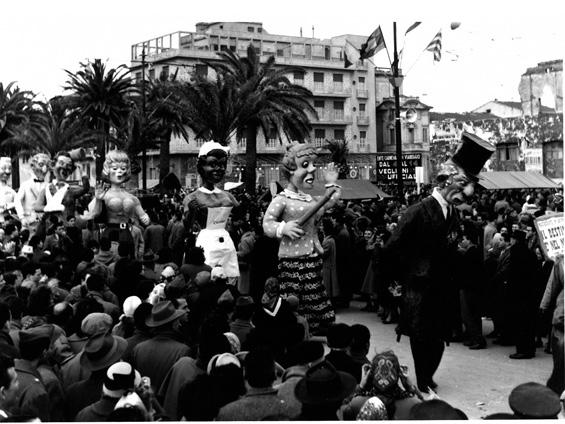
[151, 125]
[101, 98]
[18, 110]
[56, 130]
[166, 109]
[338, 152]
[249, 96]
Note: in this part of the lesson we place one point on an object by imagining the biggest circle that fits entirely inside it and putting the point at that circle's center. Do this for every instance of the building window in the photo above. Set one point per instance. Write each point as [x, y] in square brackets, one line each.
[361, 85]
[338, 82]
[250, 29]
[259, 29]
[199, 141]
[152, 74]
[165, 72]
[232, 48]
[362, 138]
[215, 47]
[201, 69]
[223, 48]
[280, 52]
[298, 77]
[362, 107]
[338, 110]
[391, 136]
[138, 76]
[319, 136]
[339, 135]
[424, 135]
[319, 106]
[318, 81]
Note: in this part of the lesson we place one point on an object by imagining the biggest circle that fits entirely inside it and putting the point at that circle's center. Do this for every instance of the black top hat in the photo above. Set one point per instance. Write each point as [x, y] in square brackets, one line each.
[472, 154]
[323, 384]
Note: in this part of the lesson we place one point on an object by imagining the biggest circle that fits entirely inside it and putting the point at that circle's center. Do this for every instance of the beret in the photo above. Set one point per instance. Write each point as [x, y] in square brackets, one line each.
[96, 322]
[534, 400]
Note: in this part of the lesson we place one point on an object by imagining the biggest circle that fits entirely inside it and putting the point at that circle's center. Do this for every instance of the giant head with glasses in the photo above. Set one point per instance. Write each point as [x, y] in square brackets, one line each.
[458, 175]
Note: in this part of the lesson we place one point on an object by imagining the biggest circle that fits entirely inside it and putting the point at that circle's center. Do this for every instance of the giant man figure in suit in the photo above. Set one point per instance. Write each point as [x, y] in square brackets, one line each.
[420, 255]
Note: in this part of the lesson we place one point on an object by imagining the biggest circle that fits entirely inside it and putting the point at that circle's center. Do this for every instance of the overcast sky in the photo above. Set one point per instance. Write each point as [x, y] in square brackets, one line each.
[482, 60]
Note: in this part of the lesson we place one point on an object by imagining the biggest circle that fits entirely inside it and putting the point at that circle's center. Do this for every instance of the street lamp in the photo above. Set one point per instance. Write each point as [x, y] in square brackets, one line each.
[144, 151]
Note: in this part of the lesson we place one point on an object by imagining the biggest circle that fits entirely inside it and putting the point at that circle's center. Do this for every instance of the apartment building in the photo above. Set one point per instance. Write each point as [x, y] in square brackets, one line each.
[344, 98]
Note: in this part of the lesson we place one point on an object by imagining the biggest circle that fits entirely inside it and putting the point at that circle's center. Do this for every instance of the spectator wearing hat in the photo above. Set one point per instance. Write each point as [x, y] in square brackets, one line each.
[77, 338]
[224, 378]
[186, 370]
[155, 357]
[303, 356]
[120, 378]
[126, 326]
[534, 401]
[261, 400]
[339, 340]
[241, 325]
[9, 387]
[32, 395]
[148, 262]
[521, 292]
[141, 332]
[360, 344]
[129, 408]
[71, 370]
[322, 390]
[176, 238]
[100, 352]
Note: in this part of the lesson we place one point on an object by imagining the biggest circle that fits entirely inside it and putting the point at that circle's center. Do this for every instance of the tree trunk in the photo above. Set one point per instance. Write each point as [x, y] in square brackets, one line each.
[251, 160]
[164, 157]
[15, 171]
[101, 148]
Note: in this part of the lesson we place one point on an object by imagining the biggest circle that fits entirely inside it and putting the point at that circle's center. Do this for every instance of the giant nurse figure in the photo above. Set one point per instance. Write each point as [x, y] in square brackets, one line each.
[112, 203]
[300, 251]
[8, 196]
[210, 208]
[30, 189]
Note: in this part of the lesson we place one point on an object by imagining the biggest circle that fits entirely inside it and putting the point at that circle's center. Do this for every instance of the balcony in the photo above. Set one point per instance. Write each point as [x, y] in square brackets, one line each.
[333, 119]
[363, 120]
[361, 93]
[362, 148]
[328, 91]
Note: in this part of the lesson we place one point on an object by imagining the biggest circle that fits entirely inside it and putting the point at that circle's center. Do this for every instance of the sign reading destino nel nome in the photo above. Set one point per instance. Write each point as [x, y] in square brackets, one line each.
[551, 234]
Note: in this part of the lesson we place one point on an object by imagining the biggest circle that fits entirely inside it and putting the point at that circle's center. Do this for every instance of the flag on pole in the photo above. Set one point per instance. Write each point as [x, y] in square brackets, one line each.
[413, 26]
[350, 54]
[435, 47]
[374, 44]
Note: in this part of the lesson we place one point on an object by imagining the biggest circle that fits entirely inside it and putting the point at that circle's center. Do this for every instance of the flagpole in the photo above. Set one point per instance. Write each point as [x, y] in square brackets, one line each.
[397, 81]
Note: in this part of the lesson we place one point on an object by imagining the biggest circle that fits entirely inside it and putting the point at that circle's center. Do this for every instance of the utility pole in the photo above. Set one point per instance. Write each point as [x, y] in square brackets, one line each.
[144, 151]
[397, 82]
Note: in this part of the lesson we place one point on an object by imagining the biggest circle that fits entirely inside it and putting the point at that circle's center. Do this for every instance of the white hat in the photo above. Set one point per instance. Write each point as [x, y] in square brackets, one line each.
[221, 359]
[212, 145]
[130, 305]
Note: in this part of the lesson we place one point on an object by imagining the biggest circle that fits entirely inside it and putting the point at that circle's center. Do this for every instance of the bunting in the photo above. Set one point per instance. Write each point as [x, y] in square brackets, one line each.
[374, 44]
[435, 47]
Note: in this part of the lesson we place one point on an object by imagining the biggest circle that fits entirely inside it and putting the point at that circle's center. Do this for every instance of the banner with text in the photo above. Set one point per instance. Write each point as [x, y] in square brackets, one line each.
[551, 232]
[386, 166]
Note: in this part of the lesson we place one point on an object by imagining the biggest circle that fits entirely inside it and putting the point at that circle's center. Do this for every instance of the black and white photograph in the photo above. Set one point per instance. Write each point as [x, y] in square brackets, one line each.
[281, 210]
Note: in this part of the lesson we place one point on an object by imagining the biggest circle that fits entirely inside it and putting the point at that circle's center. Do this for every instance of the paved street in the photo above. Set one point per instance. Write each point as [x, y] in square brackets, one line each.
[476, 381]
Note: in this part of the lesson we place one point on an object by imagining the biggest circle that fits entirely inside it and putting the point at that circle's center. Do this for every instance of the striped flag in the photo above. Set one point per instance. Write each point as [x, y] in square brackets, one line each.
[374, 44]
[435, 47]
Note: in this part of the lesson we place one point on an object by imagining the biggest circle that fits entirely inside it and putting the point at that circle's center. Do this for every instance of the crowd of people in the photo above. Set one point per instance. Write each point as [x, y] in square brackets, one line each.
[139, 328]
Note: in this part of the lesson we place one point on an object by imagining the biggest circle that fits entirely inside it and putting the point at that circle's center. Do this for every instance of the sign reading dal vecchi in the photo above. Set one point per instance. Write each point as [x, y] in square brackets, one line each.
[386, 166]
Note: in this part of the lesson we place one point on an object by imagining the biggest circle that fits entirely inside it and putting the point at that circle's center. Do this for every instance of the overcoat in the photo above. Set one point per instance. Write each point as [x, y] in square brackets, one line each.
[420, 254]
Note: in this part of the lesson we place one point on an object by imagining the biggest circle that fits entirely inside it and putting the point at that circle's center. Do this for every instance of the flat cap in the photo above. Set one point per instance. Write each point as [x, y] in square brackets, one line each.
[534, 401]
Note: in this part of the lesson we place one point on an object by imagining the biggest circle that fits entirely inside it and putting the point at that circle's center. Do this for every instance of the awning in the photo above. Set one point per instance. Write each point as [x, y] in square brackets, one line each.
[514, 179]
[352, 190]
